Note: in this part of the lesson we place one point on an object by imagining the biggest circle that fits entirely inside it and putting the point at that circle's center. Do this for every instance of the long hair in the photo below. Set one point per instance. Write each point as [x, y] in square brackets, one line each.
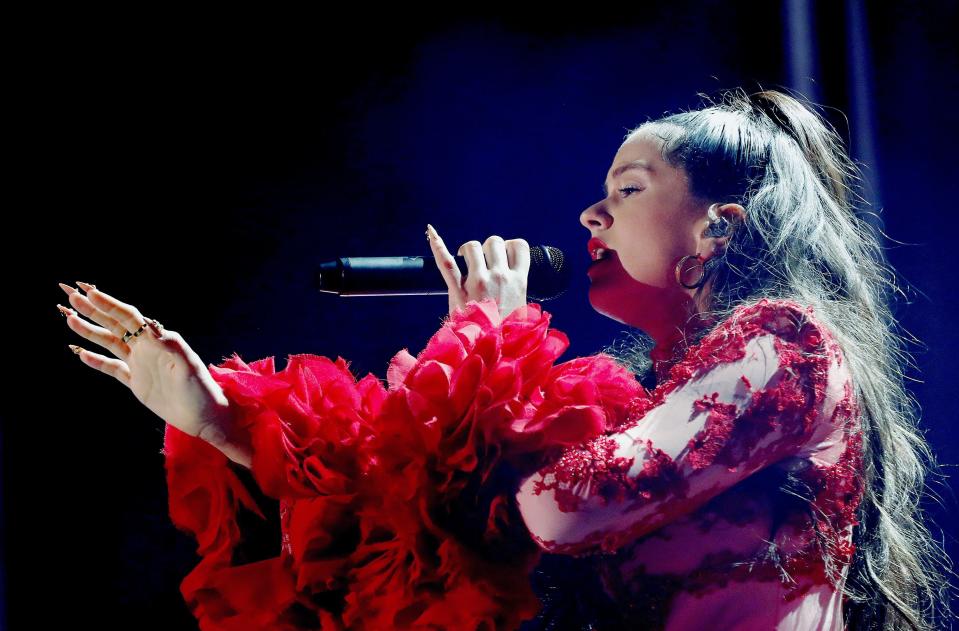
[803, 239]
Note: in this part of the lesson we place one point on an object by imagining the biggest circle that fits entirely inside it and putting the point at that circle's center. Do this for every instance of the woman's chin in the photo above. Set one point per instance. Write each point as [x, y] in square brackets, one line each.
[607, 302]
[620, 297]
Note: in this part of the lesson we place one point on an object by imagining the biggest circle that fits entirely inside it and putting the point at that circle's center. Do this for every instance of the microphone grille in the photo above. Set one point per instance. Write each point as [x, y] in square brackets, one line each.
[549, 276]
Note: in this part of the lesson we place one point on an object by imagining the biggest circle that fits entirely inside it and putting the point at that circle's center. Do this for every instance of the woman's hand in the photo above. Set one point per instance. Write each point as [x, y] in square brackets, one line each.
[496, 269]
[158, 366]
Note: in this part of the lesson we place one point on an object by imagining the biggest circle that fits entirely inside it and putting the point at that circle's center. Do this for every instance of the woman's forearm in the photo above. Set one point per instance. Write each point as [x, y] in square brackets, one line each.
[240, 454]
[219, 433]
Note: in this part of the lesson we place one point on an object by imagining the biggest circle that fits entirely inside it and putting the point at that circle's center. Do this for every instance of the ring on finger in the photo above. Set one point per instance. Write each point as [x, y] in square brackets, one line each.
[128, 334]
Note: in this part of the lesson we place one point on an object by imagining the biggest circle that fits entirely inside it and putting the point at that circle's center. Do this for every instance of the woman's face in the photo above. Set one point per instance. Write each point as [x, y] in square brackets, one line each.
[650, 220]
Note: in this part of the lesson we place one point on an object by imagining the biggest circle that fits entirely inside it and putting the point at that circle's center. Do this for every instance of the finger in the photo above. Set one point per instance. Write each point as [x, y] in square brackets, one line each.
[113, 367]
[82, 304]
[495, 251]
[472, 253]
[127, 315]
[444, 260]
[518, 251]
[96, 334]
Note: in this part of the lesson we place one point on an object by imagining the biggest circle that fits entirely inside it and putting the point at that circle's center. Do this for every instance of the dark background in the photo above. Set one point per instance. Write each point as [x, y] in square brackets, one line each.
[200, 168]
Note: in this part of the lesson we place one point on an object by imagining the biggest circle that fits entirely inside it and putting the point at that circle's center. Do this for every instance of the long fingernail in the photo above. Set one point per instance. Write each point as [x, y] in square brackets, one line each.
[66, 312]
[86, 286]
[431, 233]
[75, 349]
[67, 288]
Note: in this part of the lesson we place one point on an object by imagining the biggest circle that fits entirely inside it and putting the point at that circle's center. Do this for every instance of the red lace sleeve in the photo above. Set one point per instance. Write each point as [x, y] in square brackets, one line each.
[762, 386]
[396, 504]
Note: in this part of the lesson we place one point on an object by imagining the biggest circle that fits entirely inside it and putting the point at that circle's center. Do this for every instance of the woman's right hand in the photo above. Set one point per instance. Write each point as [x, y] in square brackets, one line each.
[158, 366]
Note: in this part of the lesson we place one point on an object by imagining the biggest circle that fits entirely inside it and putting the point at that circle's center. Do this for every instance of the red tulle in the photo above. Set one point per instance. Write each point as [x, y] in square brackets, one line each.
[370, 481]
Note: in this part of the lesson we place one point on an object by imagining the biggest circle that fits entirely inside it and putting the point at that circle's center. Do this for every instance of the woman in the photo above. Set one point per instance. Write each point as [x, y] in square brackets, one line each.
[749, 480]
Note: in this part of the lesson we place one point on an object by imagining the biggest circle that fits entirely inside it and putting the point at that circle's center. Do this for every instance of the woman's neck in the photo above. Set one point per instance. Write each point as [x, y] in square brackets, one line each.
[673, 341]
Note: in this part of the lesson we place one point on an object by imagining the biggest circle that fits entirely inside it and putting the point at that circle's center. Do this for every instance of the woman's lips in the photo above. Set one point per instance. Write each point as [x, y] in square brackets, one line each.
[610, 254]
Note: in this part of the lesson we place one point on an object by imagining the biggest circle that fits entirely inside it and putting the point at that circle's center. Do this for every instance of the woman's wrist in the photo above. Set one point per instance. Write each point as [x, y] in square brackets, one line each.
[240, 454]
[221, 431]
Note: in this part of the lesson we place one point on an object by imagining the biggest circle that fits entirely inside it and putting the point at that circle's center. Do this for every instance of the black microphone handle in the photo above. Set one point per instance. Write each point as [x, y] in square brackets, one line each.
[419, 276]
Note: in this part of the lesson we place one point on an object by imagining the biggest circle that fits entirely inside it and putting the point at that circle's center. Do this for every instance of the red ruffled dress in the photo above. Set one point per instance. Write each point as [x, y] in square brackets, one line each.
[724, 497]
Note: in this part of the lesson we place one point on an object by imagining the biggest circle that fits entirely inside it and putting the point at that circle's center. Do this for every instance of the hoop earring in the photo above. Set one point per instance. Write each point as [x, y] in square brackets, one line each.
[679, 271]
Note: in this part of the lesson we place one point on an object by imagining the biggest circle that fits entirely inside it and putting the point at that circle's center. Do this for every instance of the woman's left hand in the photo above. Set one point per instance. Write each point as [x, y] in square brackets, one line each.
[496, 269]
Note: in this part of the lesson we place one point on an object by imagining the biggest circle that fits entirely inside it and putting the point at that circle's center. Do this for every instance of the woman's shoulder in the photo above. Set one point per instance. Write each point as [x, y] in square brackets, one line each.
[789, 320]
[799, 336]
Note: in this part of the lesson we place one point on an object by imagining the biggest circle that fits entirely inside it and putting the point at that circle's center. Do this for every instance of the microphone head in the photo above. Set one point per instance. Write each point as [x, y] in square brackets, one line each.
[549, 273]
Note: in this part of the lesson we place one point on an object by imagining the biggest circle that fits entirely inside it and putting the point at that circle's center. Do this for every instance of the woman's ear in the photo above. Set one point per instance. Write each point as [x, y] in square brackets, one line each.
[733, 213]
[720, 228]
[714, 246]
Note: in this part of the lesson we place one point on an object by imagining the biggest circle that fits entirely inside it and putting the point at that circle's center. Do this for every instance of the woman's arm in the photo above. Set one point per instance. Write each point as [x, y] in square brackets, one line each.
[754, 392]
[222, 433]
[241, 454]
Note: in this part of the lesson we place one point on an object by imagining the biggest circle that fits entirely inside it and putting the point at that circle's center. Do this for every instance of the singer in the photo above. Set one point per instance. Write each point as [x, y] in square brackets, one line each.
[755, 466]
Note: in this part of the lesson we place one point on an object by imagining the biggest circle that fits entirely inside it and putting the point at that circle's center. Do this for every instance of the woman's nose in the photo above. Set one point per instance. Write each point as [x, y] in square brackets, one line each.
[595, 217]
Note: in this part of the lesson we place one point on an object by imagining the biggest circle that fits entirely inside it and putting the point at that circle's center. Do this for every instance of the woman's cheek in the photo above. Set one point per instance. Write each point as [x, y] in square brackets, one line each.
[650, 266]
[632, 264]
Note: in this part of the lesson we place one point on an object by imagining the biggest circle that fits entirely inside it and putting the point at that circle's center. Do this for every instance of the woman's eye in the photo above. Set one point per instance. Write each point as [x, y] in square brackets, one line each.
[631, 189]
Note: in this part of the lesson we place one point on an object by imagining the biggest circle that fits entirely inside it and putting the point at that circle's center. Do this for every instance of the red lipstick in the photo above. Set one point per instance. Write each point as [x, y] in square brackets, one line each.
[594, 244]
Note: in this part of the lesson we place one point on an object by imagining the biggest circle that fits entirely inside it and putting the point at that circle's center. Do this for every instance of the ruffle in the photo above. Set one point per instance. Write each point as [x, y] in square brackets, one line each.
[397, 505]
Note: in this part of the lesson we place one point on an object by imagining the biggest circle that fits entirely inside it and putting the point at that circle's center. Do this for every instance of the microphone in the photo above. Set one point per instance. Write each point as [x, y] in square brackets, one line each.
[549, 275]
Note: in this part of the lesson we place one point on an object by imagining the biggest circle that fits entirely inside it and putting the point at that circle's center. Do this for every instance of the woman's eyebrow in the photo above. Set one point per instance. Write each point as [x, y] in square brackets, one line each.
[635, 164]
